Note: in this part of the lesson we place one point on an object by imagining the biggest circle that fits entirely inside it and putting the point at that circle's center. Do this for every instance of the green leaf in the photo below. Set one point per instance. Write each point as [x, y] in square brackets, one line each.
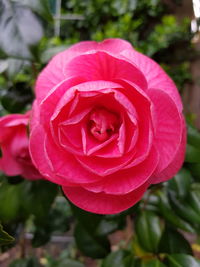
[152, 263]
[5, 238]
[38, 197]
[116, 258]
[57, 219]
[195, 170]
[89, 221]
[70, 263]
[106, 227]
[181, 260]
[193, 137]
[19, 27]
[10, 199]
[192, 154]
[180, 184]
[174, 242]
[3, 65]
[148, 229]
[16, 97]
[194, 200]
[31, 262]
[184, 210]
[14, 67]
[41, 7]
[90, 244]
[168, 213]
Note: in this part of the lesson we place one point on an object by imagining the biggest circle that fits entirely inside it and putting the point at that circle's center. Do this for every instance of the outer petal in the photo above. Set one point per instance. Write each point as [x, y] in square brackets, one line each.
[54, 71]
[103, 66]
[169, 127]
[175, 164]
[102, 203]
[125, 181]
[154, 74]
[37, 152]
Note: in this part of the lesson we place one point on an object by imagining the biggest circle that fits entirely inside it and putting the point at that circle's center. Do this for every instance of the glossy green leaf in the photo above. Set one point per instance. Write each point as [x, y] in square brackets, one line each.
[38, 198]
[180, 184]
[174, 242]
[100, 225]
[5, 238]
[14, 67]
[181, 260]
[31, 262]
[184, 210]
[10, 201]
[16, 97]
[192, 154]
[106, 227]
[41, 7]
[148, 229]
[70, 263]
[170, 215]
[194, 199]
[90, 244]
[57, 219]
[19, 27]
[193, 136]
[195, 170]
[151, 263]
[116, 258]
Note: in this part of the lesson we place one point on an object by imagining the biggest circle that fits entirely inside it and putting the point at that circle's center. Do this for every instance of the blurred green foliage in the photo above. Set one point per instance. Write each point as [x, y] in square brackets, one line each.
[167, 211]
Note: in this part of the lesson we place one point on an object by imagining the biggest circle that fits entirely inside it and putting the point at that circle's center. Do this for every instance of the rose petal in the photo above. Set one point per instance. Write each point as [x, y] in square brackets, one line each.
[8, 163]
[124, 181]
[39, 158]
[102, 203]
[103, 66]
[48, 105]
[155, 75]
[66, 166]
[169, 131]
[53, 73]
[175, 164]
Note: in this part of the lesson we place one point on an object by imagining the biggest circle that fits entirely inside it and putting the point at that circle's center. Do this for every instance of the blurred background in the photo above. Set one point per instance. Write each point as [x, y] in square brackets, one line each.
[164, 227]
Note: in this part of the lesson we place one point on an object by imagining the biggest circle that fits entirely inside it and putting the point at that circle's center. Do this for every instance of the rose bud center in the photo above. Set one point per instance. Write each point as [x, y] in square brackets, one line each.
[103, 123]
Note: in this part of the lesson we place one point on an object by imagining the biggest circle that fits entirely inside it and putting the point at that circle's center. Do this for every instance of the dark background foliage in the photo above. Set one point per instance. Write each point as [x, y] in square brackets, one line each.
[163, 229]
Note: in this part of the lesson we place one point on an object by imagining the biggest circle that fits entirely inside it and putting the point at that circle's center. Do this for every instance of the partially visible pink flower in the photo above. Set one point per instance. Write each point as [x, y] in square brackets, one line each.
[14, 142]
[107, 122]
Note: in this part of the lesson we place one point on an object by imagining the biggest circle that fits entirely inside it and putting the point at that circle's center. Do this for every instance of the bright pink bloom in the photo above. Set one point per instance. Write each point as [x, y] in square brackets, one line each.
[14, 146]
[107, 123]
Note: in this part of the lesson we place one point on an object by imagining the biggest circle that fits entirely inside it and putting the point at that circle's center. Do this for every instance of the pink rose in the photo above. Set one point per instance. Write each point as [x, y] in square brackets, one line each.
[14, 146]
[107, 123]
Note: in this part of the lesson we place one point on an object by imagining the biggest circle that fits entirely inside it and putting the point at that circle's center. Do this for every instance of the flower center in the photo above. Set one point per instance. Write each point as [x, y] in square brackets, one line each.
[103, 123]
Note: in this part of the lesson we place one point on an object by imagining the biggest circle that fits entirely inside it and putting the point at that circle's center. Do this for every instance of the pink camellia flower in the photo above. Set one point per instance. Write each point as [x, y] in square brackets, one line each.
[14, 146]
[107, 123]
